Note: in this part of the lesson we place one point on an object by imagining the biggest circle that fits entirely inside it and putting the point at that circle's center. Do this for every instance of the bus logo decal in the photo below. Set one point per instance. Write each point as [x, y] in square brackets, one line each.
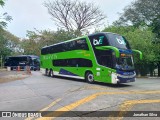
[120, 41]
[98, 42]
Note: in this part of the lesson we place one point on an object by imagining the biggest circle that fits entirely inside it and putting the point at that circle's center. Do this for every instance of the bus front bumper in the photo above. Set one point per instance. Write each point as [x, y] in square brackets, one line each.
[117, 78]
[125, 80]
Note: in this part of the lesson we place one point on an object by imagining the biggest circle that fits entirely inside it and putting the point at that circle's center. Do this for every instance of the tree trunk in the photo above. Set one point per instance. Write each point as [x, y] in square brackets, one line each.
[151, 69]
[151, 73]
[142, 69]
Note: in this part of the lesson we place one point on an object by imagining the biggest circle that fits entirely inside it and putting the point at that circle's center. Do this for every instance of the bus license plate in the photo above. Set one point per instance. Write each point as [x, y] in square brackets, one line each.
[128, 81]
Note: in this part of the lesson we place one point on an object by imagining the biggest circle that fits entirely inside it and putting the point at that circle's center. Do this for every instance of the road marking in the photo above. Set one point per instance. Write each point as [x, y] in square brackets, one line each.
[47, 107]
[90, 88]
[50, 105]
[98, 88]
[89, 98]
[69, 107]
[127, 105]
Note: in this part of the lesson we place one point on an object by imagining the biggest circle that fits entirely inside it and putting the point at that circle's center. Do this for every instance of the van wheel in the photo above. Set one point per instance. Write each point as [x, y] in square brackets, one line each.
[89, 77]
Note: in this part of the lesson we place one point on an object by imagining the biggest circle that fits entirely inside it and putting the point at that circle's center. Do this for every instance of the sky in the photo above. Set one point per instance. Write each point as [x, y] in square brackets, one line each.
[31, 14]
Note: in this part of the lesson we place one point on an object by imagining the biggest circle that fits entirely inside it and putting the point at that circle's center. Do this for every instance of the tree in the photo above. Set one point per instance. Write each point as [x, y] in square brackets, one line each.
[38, 39]
[13, 42]
[4, 17]
[143, 13]
[156, 28]
[4, 50]
[9, 44]
[1, 2]
[4, 46]
[140, 39]
[74, 15]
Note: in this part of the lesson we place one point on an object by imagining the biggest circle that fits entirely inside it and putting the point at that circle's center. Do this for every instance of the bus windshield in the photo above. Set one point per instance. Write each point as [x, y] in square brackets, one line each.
[15, 61]
[117, 41]
[125, 63]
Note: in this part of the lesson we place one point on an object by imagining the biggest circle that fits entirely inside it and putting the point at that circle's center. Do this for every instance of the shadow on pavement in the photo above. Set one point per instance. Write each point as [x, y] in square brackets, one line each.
[95, 83]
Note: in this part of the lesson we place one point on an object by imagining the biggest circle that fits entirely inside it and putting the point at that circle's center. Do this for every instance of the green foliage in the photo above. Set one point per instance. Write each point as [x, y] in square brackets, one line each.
[144, 13]
[156, 28]
[8, 41]
[141, 12]
[4, 18]
[4, 51]
[9, 44]
[140, 39]
[38, 39]
[2, 2]
[30, 47]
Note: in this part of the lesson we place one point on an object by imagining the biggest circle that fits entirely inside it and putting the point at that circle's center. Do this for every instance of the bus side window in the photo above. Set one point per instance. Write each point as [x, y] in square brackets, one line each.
[74, 62]
[52, 49]
[43, 51]
[106, 60]
[82, 44]
[65, 47]
[84, 62]
[72, 45]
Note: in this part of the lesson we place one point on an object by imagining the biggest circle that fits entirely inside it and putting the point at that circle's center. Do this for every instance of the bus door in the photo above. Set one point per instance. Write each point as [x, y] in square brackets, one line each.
[106, 62]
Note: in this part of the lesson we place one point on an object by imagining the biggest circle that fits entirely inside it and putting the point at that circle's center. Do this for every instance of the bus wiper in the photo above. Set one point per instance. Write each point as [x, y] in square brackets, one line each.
[116, 50]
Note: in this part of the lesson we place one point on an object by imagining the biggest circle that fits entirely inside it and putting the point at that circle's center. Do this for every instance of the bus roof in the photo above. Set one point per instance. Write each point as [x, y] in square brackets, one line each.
[101, 33]
[25, 56]
[65, 41]
[78, 38]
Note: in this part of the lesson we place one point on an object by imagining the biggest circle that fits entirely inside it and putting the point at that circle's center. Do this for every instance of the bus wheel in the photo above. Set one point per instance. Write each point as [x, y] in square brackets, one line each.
[51, 73]
[89, 77]
[46, 72]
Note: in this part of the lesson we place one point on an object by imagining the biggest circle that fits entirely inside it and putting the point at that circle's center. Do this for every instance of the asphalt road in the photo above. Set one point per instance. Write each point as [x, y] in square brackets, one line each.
[42, 93]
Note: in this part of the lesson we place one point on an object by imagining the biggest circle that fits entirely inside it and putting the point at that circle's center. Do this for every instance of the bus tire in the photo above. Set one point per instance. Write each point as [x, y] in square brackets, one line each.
[51, 73]
[46, 72]
[89, 77]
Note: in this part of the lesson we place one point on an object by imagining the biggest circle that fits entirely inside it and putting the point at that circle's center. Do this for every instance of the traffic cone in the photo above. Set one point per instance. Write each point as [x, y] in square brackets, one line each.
[18, 68]
[28, 70]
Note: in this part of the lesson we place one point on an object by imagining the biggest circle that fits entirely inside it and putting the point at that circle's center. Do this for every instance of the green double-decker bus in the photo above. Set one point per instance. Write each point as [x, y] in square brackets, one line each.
[103, 57]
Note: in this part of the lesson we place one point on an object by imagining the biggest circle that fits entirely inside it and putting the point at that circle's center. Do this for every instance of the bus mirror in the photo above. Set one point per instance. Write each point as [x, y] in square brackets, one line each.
[116, 50]
[137, 51]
